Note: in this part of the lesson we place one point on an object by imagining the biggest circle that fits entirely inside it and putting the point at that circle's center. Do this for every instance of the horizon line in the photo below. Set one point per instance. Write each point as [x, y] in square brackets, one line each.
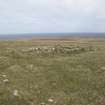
[51, 33]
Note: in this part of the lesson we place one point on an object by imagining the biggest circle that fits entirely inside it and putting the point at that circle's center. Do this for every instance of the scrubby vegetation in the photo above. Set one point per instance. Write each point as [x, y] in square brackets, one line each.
[52, 73]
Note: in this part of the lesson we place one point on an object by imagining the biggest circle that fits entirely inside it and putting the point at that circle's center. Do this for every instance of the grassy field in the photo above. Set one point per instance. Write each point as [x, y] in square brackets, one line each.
[52, 72]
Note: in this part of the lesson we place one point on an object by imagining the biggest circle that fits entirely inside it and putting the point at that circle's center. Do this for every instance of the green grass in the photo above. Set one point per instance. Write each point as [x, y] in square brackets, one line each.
[66, 77]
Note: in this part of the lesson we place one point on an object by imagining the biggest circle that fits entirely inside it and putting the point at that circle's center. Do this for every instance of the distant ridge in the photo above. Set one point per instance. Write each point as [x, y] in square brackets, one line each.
[48, 35]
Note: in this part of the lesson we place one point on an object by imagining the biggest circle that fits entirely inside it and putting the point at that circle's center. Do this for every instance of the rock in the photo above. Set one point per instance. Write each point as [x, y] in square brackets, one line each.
[6, 80]
[4, 76]
[50, 100]
[16, 93]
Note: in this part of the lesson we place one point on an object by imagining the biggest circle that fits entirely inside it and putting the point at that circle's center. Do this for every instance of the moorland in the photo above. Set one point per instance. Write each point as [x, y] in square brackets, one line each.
[66, 71]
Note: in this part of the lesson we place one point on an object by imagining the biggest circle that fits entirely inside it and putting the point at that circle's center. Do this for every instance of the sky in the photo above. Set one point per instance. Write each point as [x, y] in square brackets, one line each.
[51, 16]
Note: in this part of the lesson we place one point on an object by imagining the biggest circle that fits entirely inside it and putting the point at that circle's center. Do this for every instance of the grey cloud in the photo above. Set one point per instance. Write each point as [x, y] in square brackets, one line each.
[18, 16]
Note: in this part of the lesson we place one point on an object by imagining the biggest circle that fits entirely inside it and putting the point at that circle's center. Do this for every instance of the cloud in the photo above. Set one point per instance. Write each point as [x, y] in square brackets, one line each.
[18, 16]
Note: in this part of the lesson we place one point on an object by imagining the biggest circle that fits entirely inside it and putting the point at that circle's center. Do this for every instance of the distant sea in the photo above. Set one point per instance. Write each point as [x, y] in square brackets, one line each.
[48, 35]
